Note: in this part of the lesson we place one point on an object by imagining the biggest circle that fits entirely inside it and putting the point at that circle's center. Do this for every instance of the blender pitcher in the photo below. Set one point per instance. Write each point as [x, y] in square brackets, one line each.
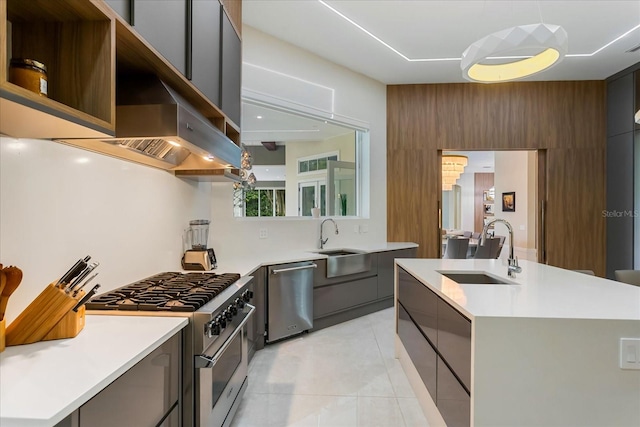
[198, 234]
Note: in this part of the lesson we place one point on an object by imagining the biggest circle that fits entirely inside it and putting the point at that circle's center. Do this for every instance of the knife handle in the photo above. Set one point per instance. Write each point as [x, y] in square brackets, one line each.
[86, 298]
[80, 265]
[81, 277]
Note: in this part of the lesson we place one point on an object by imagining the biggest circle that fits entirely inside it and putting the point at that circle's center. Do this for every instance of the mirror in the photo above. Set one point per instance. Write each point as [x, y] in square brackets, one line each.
[299, 163]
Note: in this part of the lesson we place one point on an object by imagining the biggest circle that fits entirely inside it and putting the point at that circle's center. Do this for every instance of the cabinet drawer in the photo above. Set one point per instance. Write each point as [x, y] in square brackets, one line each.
[422, 355]
[452, 400]
[329, 299]
[143, 395]
[454, 341]
[421, 303]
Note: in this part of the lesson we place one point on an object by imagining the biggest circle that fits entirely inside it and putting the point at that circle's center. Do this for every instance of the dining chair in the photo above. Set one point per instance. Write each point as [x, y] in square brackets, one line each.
[466, 234]
[475, 235]
[631, 277]
[489, 250]
[456, 248]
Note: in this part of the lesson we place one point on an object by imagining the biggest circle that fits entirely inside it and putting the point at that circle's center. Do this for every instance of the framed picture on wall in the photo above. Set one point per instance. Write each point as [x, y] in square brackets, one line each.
[509, 202]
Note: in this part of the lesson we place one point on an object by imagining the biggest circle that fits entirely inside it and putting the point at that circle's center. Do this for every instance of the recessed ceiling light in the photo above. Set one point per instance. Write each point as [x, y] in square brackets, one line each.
[258, 117]
[267, 170]
[208, 158]
[82, 160]
[396, 51]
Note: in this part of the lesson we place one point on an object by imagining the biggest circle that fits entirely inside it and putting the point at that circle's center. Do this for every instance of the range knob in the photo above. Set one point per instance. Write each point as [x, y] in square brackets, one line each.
[227, 314]
[212, 328]
[233, 309]
[222, 321]
[239, 303]
[247, 295]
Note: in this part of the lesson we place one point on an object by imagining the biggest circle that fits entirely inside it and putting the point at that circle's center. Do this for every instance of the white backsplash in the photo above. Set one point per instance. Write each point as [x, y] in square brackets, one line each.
[59, 203]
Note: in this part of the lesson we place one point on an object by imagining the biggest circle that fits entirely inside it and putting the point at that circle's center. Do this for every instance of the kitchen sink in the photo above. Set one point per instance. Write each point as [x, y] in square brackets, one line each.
[475, 278]
[342, 262]
[339, 252]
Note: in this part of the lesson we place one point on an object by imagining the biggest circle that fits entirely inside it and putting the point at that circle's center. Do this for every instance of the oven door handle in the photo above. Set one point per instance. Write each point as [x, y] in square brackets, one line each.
[204, 361]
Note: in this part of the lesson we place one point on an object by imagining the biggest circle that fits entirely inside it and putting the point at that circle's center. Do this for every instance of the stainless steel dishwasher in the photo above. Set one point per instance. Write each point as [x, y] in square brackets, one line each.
[289, 299]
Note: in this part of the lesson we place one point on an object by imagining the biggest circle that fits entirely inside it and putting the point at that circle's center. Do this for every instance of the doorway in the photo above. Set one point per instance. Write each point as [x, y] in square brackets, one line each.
[481, 186]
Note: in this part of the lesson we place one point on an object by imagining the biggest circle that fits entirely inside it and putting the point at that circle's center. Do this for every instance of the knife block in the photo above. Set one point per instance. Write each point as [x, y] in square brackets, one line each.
[2, 335]
[49, 316]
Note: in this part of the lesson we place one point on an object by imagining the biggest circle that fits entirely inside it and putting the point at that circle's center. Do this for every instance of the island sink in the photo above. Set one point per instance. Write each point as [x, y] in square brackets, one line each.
[475, 278]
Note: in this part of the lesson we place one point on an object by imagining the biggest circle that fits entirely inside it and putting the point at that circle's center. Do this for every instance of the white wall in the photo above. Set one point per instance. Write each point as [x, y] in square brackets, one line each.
[513, 172]
[59, 203]
[467, 187]
[270, 67]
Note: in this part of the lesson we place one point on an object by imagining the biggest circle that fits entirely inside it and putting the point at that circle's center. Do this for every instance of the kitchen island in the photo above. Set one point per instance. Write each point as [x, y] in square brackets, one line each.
[543, 349]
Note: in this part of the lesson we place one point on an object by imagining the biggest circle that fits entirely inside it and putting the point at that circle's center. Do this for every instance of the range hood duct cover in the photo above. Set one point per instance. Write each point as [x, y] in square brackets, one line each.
[153, 120]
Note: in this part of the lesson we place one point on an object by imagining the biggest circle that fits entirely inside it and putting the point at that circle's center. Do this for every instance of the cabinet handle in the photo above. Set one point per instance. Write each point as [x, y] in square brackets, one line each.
[284, 270]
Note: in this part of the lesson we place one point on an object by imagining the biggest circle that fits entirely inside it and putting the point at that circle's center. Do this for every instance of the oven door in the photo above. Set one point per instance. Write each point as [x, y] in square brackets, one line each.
[221, 378]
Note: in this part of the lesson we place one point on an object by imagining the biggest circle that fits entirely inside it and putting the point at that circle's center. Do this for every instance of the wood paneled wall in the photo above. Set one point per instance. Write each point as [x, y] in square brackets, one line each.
[567, 118]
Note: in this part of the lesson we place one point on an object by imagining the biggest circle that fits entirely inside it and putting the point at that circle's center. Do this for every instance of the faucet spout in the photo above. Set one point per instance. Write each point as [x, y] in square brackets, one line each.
[513, 261]
[324, 240]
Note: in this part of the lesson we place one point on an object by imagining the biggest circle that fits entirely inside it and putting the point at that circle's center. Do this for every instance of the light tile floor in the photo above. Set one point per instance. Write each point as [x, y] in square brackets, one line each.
[345, 375]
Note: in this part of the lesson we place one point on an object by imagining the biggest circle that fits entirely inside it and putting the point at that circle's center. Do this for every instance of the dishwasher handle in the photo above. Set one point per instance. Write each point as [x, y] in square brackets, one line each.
[284, 270]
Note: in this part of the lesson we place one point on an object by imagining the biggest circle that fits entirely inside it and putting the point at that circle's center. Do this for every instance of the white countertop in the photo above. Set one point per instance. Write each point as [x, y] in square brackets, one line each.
[249, 263]
[42, 383]
[541, 291]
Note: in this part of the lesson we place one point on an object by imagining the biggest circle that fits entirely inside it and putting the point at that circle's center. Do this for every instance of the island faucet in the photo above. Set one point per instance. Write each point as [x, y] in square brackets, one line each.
[323, 241]
[513, 261]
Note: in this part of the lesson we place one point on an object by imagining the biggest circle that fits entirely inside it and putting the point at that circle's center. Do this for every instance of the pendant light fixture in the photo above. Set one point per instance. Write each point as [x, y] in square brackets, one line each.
[452, 167]
[549, 44]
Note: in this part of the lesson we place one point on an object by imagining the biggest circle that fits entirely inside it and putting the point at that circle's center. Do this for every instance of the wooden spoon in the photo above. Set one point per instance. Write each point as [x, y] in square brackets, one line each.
[13, 277]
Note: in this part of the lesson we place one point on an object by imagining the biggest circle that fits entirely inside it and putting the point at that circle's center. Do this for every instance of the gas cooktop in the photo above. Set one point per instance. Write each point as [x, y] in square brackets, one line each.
[165, 292]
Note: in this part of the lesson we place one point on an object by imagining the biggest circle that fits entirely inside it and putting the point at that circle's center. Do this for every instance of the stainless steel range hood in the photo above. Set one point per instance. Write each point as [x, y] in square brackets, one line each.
[157, 127]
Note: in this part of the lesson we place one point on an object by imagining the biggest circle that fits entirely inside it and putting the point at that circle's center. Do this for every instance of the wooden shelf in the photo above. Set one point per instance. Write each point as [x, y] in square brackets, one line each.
[75, 40]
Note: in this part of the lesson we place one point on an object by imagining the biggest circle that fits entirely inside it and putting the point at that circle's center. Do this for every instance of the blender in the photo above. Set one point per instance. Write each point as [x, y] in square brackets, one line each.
[199, 257]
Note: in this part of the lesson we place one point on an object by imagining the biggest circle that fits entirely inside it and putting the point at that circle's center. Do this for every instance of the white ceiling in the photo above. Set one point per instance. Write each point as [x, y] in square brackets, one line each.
[435, 30]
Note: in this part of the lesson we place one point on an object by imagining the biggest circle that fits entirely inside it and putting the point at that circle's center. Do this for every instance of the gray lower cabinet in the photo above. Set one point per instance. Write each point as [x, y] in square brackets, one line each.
[205, 68]
[454, 341]
[386, 267]
[452, 400]
[420, 303]
[231, 71]
[164, 24]
[420, 350]
[146, 395]
[429, 327]
[333, 298]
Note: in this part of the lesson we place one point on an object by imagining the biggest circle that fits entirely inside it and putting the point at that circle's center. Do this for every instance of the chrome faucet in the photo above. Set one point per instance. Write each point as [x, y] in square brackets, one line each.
[323, 241]
[513, 261]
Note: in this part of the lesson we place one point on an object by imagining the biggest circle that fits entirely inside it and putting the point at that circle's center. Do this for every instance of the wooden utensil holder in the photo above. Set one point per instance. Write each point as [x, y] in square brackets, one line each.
[48, 317]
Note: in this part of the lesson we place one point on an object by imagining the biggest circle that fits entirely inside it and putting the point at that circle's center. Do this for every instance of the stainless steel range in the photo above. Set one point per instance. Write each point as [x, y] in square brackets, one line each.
[215, 361]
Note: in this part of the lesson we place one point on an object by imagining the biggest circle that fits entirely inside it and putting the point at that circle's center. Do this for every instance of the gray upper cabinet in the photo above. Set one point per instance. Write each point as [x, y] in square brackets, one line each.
[164, 24]
[231, 71]
[122, 8]
[620, 93]
[206, 48]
